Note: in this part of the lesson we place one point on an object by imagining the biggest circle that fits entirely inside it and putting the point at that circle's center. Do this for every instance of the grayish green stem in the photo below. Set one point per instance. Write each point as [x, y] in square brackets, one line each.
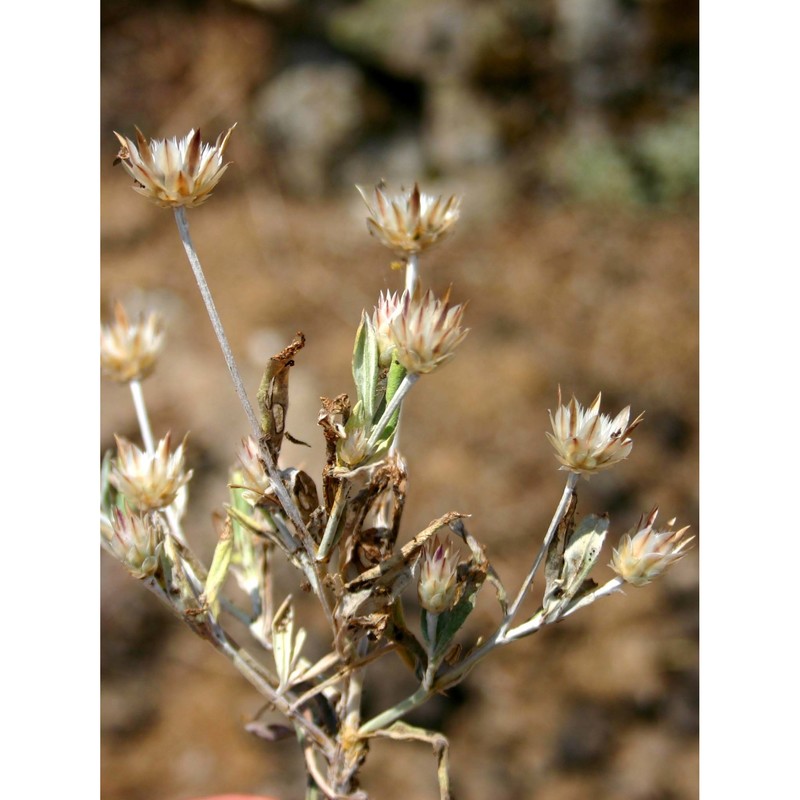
[572, 481]
[412, 274]
[402, 390]
[389, 716]
[141, 416]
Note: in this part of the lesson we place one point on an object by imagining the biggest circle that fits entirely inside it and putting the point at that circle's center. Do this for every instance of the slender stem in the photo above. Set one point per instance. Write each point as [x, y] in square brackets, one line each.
[141, 415]
[392, 714]
[354, 689]
[402, 390]
[216, 323]
[432, 621]
[412, 275]
[572, 481]
[249, 668]
[329, 537]
[285, 500]
[614, 585]
[457, 673]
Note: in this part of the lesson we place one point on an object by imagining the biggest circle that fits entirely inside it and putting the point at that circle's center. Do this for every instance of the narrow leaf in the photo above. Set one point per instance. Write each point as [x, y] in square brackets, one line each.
[219, 568]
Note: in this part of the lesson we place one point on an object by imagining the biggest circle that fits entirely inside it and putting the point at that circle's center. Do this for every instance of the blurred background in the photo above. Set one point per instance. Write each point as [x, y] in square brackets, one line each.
[570, 127]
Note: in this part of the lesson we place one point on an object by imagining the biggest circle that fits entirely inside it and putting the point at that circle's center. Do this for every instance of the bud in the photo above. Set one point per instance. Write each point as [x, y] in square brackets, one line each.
[352, 449]
[173, 172]
[409, 222]
[587, 441]
[643, 554]
[135, 540]
[149, 481]
[254, 478]
[387, 309]
[128, 351]
[437, 578]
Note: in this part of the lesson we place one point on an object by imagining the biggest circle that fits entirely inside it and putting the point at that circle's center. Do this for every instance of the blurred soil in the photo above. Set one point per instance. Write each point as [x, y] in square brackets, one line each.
[588, 296]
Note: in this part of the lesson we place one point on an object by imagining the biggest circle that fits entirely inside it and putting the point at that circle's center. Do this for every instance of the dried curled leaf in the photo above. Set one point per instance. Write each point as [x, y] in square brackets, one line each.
[273, 395]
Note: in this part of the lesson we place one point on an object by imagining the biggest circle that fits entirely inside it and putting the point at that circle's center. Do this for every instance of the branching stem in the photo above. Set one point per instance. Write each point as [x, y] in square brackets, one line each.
[563, 504]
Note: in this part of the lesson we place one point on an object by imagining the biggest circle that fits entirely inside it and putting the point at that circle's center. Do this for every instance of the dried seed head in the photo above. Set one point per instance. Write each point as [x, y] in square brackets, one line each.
[128, 351]
[254, 477]
[438, 582]
[587, 441]
[387, 309]
[149, 481]
[174, 172]
[643, 554]
[409, 222]
[135, 540]
[426, 332]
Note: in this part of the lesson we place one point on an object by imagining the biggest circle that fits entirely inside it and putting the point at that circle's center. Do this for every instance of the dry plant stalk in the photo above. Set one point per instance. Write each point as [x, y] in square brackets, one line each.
[342, 534]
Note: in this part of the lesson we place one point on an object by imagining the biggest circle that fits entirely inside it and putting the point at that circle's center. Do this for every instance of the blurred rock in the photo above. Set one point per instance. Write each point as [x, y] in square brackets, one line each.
[669, 156]
[308, 113]
[588, 166]
[461, 129]
[420, 39]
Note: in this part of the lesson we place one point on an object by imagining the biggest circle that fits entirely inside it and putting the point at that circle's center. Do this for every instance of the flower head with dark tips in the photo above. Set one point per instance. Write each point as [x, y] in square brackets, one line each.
[128, 351]
[426, 332]
[438, 580]
[149, 481]
[411, 221]
[587, 441]
[643, 553]
[174, 172]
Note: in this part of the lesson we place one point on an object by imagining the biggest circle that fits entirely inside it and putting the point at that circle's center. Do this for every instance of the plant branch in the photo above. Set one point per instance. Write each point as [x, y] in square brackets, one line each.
[563, 504]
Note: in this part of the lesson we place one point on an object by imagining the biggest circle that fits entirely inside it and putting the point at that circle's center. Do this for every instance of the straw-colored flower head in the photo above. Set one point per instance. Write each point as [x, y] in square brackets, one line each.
[351, 450]
[438, 580]
[128, 350]
[254, 477]
[643, 553]
[174, 172]
[426, 332]
[587, 441]
[387, 309]
[135, 540]
[411, 221]
[149, 481]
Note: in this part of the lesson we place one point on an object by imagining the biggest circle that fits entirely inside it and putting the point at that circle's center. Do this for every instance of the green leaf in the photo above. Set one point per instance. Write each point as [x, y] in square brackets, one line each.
[365, 366]
[449, 622]
[395, 377]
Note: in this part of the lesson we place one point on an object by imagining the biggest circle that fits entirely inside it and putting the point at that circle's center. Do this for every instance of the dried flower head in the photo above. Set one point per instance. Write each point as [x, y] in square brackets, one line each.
[174, 172]
[438, 581]
[128, 351]
[135, 540]
[254, 477]
[149, 481]
[409, 222]
[643, 554]
[387, 309]
[587, 441]
[426, 332]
